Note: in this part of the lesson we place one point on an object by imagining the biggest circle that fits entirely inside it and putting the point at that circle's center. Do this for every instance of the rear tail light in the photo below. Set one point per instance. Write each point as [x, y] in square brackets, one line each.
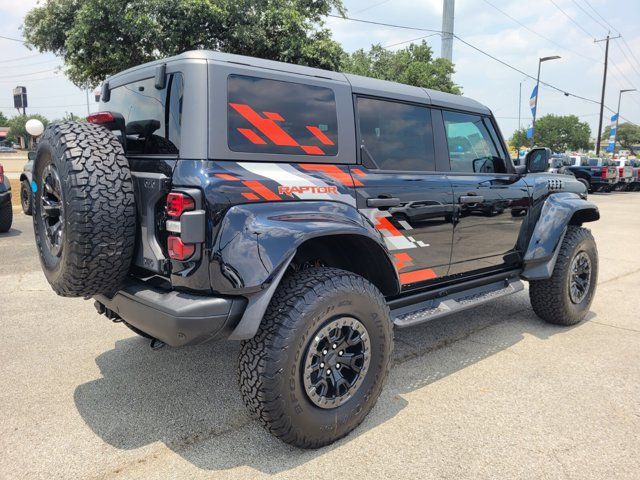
[178, 250]
[1, 174]
[605, 171]
[178, 203]
[100, 117]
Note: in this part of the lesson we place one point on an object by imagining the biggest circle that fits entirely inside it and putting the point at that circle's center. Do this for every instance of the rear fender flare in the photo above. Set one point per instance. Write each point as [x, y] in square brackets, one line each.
[558, 211]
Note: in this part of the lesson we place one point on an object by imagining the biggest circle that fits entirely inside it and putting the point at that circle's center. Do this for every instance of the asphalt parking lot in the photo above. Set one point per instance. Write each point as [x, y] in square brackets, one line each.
[489, 393]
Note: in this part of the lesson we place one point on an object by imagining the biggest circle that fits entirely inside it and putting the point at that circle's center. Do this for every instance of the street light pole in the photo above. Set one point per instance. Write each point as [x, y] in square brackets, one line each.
[535, 110]
[618, 114]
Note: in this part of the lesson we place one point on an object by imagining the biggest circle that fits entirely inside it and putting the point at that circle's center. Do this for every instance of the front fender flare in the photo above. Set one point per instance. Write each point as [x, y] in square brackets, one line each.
[558, 211]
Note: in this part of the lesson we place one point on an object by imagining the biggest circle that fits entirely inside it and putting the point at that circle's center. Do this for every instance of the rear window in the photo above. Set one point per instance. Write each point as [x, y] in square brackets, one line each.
[272, 116]
[152, 116]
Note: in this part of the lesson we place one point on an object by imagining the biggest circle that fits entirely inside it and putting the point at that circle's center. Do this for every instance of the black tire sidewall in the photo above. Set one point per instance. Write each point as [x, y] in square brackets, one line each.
[25, 191]
[577, 311]
[51, 265]
[335, 422]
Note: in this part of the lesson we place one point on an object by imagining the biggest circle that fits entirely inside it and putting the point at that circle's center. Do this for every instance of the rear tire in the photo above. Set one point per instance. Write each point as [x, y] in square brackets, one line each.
[565, 298]
[84, 212]
[26, 197]
[311, 320]
[6, 217]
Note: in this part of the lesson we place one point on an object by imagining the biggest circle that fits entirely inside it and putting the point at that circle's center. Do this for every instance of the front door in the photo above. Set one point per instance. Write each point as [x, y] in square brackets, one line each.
[399, 191]
[491, 203]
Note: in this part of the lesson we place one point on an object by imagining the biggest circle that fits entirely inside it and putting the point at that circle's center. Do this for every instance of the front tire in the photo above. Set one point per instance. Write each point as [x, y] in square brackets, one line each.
[565, 298]
[6, 217]
[320, 358]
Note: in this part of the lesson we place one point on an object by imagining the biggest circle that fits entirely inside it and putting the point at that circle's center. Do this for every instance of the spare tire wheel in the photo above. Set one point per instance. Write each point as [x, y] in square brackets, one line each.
[84, 213]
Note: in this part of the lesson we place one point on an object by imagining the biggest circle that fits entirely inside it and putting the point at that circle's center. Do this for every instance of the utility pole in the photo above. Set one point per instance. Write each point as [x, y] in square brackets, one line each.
[604, 86]
[88, 111]
[519, 105]
[446, 49]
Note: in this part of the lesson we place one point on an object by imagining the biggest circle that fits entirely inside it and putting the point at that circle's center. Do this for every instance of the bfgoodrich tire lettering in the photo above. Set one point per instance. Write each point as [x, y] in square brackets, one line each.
[271, 363]
[551, 299]
[88, 205]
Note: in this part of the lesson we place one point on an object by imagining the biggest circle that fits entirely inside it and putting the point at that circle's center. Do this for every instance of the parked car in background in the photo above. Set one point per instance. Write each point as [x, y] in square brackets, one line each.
[634, 186]
[558, 163]
[5, 149]
[625, 173]
[6, 211]
[594, 173]
[25, 184]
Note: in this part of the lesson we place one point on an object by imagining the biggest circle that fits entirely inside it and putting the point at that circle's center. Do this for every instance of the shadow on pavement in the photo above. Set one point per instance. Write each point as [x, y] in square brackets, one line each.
[13, 232]
[189, 400]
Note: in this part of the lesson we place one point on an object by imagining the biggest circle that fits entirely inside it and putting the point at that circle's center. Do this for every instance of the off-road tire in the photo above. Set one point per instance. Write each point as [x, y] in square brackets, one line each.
[550, 298]
[6, 217]
[270, 366]
[99, 214]
[26, 199]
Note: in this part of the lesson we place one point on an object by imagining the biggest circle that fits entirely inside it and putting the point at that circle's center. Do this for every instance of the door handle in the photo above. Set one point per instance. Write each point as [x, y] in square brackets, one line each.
[383, 202]
[471, 199]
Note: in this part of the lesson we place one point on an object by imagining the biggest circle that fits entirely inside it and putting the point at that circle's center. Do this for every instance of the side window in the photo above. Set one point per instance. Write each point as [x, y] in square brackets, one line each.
[471, 146]
[272, 116]
[396, 135]
[152, 116]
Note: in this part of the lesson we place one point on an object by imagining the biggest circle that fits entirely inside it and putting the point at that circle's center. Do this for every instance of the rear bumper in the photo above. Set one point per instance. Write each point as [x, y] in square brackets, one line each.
[176, 318]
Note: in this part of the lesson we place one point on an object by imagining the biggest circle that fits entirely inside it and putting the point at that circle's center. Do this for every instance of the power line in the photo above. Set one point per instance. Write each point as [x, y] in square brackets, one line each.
[13, 39]
[18, 77]
[17, 59]
[412, 40]
[631, 52]
[523, 25]
[589, 15]
[32, 64]
[372, 6]
[601, 17]
[571, 19]
[516, 69]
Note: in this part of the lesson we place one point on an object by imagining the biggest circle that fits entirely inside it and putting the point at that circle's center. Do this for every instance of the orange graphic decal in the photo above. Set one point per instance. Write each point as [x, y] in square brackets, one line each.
[250, 196]
[401, 260]
[417, 276]
[312, 150]
[319, 135]
[252, 136]
[226, 176]
[334, 172]
[261, 190]
[274, 116]
[383, 223]
[266, 126]
[357, 171]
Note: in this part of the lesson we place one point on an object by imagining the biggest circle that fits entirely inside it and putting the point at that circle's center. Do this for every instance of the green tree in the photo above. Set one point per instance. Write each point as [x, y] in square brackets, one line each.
[413, 65]
[97, 38]
[558, 132]
[627, 136]
[17, 128]
[3, 120]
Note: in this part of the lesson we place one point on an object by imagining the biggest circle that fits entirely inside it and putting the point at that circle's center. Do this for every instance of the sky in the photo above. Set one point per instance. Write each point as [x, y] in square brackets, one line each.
[553, 27]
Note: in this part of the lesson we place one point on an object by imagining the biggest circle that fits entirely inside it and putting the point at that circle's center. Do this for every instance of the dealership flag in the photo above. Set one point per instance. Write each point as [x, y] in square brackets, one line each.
[612, 138]
[533, 100]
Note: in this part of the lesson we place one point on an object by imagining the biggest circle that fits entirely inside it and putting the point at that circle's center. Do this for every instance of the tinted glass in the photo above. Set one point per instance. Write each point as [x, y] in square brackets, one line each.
[471, 146]
[537, 161]
[270, 116]
[152, 116]
[396, 135]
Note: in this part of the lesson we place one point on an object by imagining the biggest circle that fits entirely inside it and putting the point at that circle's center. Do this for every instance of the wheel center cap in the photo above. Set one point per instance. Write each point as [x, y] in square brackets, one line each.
[331, 359]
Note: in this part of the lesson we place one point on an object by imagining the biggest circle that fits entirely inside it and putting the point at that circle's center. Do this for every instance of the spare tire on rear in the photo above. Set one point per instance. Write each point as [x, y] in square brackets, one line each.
[84, 213]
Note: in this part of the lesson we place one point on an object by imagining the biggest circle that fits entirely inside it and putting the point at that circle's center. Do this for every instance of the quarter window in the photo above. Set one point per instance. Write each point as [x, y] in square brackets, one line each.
[471, 146]
[152, 117]
[397, 136]
[272, 116]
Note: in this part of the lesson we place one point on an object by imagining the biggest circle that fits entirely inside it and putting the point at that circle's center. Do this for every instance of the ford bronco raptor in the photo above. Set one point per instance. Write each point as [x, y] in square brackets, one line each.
[304, 213]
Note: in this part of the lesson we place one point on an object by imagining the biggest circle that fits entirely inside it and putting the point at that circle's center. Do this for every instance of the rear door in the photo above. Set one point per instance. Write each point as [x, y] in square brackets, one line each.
[399, 190]
[491, 200]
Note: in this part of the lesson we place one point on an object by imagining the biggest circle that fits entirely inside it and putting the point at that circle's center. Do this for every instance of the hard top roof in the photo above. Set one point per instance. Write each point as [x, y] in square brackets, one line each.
[359, 84]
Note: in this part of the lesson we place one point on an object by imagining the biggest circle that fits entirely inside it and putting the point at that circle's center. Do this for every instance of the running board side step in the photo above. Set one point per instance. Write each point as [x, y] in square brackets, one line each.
[453, 303]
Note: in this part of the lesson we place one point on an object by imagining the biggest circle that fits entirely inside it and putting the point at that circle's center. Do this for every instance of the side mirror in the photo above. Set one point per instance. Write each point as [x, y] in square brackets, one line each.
[537, 160]
[31, 156]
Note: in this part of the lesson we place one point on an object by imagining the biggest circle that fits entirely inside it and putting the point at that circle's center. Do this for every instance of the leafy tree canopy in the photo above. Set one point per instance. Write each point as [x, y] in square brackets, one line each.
[3, 120]
[627, 136]
[17, 125]
[97, 38]
[413, 65]
[558, 132]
